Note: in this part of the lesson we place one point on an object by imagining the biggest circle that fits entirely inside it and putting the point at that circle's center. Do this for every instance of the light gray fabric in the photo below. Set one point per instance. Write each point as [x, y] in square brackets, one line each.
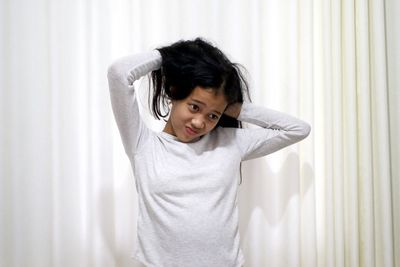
[187, 192]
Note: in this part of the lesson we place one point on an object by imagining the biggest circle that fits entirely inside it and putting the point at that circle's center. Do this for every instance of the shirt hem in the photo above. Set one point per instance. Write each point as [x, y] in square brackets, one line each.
[142, 261]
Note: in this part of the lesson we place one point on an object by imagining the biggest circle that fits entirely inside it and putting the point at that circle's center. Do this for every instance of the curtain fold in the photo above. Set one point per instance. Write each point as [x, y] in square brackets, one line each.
[67, 193]
[392, 54]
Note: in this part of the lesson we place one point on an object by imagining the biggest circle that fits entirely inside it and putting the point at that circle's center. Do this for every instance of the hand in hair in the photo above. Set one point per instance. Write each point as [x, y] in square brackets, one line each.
[233, 110]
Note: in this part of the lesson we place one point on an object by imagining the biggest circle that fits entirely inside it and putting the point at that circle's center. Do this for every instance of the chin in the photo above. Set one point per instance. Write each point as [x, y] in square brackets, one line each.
[188, 139]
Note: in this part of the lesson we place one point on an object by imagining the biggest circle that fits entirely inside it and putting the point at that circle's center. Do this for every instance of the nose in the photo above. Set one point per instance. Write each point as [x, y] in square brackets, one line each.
[197, 123]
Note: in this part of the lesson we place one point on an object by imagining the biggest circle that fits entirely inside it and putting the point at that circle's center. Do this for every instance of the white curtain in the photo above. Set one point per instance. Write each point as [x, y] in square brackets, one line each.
[67, 194]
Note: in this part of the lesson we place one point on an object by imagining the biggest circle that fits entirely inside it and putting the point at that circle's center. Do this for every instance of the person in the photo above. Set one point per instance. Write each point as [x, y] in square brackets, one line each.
[187, 175]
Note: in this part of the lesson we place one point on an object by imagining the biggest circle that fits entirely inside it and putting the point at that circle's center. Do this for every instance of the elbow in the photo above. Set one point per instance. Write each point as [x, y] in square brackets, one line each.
[304, 130]
[116, 75]
[112, 72]
[117, 70]
[307, 129]
[112, 77]
[301, 131]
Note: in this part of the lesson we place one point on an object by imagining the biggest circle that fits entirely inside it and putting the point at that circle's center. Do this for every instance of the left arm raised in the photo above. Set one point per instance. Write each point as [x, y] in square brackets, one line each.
[277, 131]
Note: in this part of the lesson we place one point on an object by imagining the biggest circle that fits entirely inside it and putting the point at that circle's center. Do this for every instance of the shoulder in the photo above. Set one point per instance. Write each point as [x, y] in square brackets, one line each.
[225, 135]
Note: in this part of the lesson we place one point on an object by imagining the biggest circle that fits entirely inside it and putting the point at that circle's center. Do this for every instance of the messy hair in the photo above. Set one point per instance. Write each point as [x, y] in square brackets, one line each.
[191, 63]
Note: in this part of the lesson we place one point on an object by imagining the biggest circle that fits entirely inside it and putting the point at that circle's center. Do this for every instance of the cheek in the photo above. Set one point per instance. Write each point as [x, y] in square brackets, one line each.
[180, 116]
[183, 115]
[211, 126]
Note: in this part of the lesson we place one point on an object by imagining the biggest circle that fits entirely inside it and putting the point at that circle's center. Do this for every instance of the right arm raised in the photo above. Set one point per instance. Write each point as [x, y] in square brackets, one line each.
[121, 75]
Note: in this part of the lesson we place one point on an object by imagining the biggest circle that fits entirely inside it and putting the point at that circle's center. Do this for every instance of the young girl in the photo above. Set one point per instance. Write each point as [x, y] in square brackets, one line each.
[187, 176]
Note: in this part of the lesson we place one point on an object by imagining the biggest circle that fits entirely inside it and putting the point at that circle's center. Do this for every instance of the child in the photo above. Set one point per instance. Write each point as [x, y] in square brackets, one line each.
[187, 176]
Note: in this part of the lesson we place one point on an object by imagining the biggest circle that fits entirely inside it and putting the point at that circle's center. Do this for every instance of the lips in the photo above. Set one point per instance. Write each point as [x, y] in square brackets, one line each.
[190, 131]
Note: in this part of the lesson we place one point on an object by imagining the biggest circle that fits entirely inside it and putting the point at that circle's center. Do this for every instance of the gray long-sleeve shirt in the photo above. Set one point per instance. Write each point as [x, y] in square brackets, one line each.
[187, 192]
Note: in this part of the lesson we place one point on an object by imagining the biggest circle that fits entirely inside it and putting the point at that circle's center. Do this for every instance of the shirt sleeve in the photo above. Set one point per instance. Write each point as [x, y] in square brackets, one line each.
[121, 75]
[277, 131]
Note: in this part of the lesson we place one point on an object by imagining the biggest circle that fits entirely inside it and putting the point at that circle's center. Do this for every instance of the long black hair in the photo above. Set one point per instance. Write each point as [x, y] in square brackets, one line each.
[187, 64]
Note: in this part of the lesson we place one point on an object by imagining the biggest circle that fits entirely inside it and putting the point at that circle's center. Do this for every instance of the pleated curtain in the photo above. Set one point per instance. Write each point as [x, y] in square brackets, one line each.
[67, 193]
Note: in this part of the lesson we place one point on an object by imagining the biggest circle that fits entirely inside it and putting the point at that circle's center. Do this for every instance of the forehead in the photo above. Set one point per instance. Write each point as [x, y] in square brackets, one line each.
[211, 98]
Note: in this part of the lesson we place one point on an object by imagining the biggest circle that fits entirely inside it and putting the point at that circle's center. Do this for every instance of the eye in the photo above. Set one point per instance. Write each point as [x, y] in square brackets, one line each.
[213, 117]
[193, 107]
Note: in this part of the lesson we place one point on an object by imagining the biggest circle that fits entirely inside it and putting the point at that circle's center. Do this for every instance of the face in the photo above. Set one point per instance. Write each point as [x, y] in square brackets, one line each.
[195, 115]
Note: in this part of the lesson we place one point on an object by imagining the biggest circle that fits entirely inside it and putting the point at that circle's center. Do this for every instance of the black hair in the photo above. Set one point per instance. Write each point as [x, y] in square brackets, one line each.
[187, 64]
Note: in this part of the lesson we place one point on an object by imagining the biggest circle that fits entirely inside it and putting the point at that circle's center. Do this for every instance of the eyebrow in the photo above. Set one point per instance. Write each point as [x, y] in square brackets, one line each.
[202, 103]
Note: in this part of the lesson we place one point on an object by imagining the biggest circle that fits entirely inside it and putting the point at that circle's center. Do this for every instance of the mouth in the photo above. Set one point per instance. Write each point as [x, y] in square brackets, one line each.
[190, 131]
